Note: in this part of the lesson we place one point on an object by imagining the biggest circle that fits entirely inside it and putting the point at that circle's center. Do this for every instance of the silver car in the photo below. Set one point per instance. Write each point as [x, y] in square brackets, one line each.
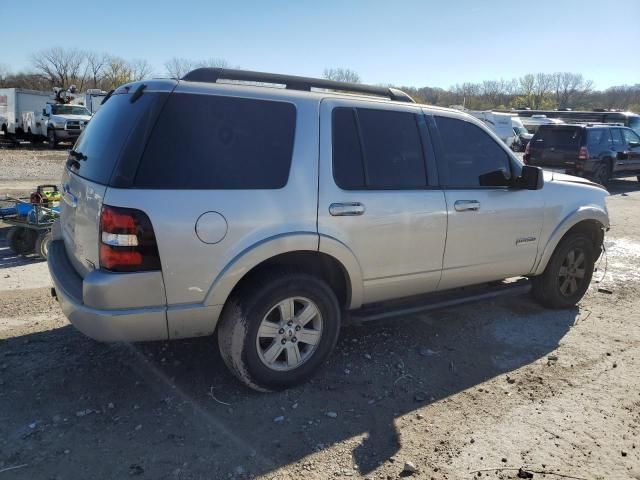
[268, 216]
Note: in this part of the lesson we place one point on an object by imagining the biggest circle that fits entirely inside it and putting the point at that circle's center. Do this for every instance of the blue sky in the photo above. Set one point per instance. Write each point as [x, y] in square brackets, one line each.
[418, 43]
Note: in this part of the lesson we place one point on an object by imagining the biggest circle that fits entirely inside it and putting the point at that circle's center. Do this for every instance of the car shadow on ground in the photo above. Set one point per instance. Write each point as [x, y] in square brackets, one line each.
[170, 407]
[623, 186]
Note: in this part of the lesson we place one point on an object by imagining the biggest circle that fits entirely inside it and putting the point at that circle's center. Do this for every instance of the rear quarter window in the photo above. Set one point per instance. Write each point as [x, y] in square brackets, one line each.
[215, 142]
[103, 139]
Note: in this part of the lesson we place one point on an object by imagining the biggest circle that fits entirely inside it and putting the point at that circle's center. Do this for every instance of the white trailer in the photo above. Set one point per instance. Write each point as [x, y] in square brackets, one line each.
[14, 103]
[500, 123]
[93, 99]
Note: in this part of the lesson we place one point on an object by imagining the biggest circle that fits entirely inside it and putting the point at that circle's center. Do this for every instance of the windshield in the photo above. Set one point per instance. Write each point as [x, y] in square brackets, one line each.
[69, 110]
[634, 124]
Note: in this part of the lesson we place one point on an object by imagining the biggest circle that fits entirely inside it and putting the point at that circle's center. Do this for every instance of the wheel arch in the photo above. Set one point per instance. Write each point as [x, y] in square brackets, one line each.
[299, 251]
[589, 220]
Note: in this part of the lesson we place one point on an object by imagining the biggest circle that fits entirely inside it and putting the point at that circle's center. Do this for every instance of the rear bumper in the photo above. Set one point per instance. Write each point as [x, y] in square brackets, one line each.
[80, 301]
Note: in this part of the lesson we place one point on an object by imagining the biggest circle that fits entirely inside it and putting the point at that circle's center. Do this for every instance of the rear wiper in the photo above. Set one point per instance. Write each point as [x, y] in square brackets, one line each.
[77, 155]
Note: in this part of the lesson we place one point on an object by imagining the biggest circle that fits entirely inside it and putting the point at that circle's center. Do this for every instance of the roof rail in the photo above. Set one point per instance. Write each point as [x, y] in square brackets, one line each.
[292, 82]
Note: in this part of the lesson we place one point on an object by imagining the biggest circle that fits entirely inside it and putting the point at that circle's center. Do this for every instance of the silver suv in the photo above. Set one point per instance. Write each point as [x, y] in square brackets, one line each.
[219, 204]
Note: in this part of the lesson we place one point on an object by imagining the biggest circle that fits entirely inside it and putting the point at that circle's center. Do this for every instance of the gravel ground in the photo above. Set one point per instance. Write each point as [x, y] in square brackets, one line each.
[23, 168]
[477, 391]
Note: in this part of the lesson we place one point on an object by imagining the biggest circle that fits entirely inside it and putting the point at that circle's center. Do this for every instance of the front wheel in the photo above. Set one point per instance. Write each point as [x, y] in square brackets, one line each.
[568, 274]
[278, 330]
[52, 138]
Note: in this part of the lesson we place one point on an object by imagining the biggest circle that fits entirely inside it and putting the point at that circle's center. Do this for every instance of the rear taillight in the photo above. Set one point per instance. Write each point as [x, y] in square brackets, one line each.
[127, 241]
[584, 154]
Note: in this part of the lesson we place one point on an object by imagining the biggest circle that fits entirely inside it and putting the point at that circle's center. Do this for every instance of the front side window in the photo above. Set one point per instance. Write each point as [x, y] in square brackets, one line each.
[215, 142]
[377, 149]
[469, 153]
[630, 137]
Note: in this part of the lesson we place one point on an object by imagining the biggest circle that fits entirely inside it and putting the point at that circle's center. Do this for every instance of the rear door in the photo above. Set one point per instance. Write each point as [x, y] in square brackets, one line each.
[556, 147]
[492, 231]
[379, 195]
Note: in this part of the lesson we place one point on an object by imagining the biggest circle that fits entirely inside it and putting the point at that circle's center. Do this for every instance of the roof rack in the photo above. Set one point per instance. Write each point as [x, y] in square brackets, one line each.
[292, 82]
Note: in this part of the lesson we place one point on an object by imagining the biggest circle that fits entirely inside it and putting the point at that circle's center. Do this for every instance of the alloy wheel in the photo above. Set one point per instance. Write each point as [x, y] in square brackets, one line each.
[572, 272]
[289, 333]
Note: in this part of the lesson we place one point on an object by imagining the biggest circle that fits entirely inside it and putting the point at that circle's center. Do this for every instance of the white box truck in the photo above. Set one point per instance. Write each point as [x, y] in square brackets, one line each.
[38, 116]
[15, 101]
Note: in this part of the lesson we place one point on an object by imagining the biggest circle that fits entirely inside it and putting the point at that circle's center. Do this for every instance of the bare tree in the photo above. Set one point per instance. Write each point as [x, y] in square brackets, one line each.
[178, 67]
[140, 69]
[4, 73]
[341, 75]
[61, 67]
[116, 72]
[95, 67]
[569, 87]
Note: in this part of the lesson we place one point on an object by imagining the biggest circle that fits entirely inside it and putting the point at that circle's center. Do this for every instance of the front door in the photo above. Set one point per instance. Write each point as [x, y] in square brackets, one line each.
[632, 149]
[378, 195]
[492, 230]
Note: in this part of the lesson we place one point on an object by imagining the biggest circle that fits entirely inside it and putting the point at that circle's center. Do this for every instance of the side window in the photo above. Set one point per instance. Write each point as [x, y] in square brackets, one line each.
[617, 138]
[630, 137]
[215, 142]
[377, 149]
[598, 137]
[468, 153]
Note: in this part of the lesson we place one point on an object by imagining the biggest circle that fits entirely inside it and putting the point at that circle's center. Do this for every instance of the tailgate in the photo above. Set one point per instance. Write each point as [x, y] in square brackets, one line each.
[80, 220]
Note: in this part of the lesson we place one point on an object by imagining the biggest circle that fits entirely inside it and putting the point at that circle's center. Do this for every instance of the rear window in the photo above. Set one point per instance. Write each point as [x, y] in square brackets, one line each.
[214, 142]
[558, 137]
[102, 140]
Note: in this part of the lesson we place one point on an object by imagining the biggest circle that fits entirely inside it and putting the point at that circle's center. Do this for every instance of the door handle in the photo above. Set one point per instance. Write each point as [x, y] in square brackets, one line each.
[466, 205]
[351, 209]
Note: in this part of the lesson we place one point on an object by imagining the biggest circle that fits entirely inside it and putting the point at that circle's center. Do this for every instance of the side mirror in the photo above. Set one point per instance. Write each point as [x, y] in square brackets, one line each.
[44, 112]
[531, 178]
[496, 178]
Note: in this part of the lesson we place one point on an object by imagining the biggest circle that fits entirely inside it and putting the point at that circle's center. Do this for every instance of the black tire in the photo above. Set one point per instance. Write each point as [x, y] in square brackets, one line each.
[244, 313]
[21, 240]
[550, 289]
[52, 138]
[602, 173]
[42, 243]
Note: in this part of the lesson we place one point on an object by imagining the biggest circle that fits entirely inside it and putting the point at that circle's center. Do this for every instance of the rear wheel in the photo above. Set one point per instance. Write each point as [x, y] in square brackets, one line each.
[279, 330]
[601, 174]
[568, 274]
[42, 244]
[22, 240]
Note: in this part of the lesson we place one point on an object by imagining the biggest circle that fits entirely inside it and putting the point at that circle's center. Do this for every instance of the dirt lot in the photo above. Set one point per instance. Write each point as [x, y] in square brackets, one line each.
[474, 391]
